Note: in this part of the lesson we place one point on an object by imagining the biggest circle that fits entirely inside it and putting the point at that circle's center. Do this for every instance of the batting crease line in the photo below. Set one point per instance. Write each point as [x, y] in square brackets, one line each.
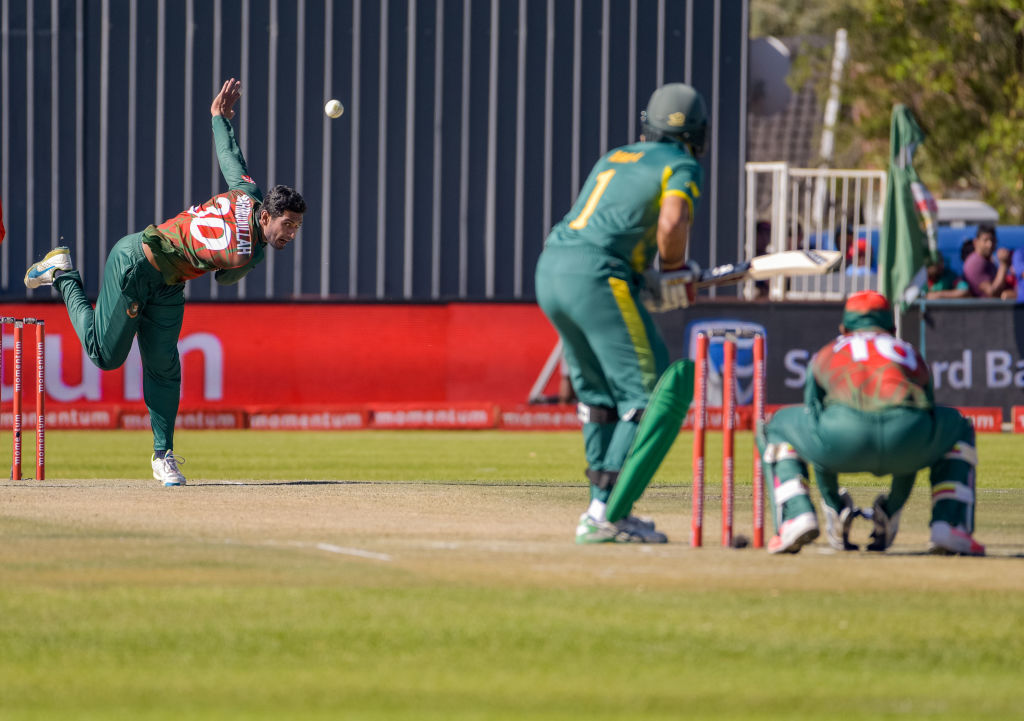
[331, 548]
[328, 547]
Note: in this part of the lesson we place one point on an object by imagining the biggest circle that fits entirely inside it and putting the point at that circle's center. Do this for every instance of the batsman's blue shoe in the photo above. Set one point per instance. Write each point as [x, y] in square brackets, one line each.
[42, 273]
[166, 470]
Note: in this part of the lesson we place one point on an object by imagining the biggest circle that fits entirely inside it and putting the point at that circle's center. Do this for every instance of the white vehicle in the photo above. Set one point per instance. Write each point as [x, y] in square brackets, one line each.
[959, 213]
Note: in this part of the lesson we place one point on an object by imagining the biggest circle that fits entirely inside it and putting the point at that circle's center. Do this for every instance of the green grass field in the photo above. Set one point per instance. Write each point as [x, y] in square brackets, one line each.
[432, 575]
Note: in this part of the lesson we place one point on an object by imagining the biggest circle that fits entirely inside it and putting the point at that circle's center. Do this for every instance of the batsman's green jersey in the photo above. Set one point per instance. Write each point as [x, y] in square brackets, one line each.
[617, 210]
[588, 284]
[137, 300]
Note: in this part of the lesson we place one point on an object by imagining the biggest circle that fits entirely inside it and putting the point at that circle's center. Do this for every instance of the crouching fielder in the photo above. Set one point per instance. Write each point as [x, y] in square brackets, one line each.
[869, 407]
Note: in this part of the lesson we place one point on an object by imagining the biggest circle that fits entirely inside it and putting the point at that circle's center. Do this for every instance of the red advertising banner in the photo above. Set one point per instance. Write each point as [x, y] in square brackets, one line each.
[433, 415]
[985, 419]
[540, 417]
[1018, 419]
[327, 366]
[316, 356]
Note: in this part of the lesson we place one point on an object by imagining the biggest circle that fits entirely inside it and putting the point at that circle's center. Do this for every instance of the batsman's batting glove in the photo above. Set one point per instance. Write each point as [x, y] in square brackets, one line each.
[672, 289]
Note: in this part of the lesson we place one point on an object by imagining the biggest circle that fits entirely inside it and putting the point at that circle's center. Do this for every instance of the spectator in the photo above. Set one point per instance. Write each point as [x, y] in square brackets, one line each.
[966, 248]
[941, 282]
[796, 239]
[843, 240]
[1017, 265]
[985, 278]
[857, 256]
[762, 245]
[763, 237]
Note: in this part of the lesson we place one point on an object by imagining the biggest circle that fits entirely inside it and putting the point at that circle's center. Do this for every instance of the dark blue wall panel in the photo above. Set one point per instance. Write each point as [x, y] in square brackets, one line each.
[482, 197]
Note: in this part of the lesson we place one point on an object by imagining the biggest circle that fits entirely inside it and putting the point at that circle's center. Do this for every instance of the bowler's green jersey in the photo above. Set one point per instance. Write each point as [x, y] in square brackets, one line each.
[617, 208]
[221, 234]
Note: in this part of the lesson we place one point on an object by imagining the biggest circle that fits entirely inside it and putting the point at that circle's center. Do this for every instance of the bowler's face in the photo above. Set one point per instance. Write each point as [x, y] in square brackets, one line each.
[280, 231]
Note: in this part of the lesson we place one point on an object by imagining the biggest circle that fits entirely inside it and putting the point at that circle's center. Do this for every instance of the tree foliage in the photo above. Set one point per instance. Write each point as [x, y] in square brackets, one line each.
[790, 18]
[959, 66]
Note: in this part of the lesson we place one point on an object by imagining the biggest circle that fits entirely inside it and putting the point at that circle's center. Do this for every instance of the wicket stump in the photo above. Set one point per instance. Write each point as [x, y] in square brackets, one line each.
[700, 422]
[16, 399]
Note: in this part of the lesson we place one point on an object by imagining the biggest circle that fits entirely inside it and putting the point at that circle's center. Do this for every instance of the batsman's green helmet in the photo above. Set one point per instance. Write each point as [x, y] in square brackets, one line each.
[677, 111]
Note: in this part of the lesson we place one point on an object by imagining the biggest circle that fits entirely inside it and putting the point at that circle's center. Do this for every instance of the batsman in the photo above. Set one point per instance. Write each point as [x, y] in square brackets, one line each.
[869, 407]
[637, 205]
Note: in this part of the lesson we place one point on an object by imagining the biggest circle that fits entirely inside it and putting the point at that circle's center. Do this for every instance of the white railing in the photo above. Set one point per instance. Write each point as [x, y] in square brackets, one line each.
[809, 208]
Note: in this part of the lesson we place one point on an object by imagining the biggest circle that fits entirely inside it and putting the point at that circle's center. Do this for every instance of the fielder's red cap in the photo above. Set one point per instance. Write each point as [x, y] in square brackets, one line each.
[868, 309]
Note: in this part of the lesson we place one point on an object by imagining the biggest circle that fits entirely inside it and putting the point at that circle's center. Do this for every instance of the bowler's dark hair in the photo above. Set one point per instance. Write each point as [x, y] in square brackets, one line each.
[282, 198]
[986, 228]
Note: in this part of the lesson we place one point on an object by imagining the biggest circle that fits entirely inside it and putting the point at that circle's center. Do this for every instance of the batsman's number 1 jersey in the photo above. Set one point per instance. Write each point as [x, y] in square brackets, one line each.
[618, 206]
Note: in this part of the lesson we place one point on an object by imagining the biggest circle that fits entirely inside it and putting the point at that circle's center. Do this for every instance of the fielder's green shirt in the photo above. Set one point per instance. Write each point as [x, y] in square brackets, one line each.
[948, 280]
[618, 206]
[222, 234]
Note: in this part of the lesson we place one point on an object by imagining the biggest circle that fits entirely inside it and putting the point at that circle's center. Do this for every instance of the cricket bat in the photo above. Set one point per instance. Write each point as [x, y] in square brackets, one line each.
[772, 265]
[675, 288]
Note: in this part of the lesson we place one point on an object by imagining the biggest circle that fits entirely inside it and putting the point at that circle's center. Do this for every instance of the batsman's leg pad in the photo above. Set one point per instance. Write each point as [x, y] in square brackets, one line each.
[658, 430]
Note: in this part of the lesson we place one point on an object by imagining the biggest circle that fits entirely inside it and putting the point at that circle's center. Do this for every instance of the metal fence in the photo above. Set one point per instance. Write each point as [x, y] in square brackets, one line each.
[469, 127]
[808, 208]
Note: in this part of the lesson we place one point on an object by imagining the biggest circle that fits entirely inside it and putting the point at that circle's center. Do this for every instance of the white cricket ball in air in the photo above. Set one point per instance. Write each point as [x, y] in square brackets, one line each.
[334, 109]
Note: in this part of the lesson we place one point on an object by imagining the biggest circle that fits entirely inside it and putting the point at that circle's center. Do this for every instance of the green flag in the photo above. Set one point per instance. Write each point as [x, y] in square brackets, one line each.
[908, 226]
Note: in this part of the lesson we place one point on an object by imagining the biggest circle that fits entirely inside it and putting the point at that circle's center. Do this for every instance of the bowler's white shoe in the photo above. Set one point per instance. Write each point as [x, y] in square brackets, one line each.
[41, 273]
[166, 470]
